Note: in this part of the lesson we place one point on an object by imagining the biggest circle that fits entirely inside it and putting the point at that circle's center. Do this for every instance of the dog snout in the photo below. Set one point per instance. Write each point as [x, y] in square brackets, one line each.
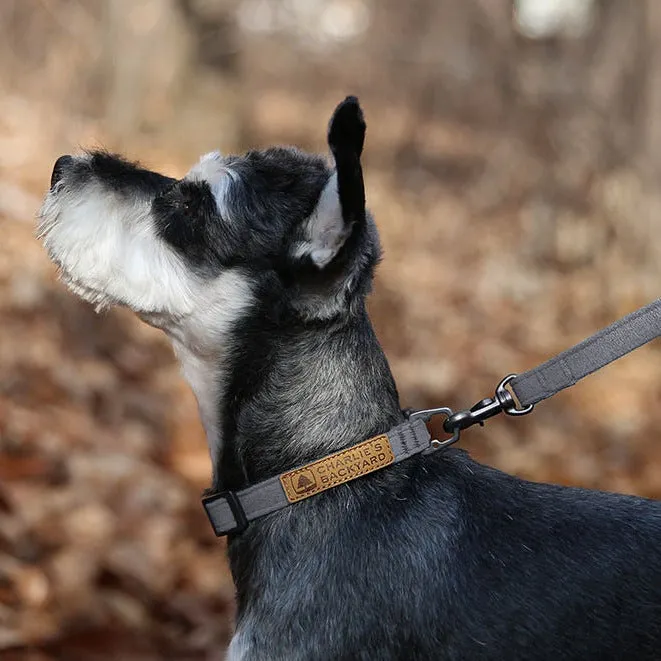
[60, 168]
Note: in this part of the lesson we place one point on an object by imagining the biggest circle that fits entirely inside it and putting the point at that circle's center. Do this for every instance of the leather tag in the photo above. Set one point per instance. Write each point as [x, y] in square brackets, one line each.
[337, 468]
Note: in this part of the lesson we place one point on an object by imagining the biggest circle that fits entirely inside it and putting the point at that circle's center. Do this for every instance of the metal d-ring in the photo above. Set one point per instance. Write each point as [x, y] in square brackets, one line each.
[427, 414]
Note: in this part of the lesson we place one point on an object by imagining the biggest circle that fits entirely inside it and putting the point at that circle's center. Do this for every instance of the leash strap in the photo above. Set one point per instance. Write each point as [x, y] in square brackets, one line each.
[231, 512]
[590, 355]
[560, 372]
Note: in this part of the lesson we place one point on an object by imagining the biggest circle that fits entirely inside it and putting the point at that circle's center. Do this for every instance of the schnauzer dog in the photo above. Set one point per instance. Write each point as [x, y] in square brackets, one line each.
[257, 268]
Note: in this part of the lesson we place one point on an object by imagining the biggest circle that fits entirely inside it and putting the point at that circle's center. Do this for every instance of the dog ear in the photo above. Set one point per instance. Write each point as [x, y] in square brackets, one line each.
[342, 202]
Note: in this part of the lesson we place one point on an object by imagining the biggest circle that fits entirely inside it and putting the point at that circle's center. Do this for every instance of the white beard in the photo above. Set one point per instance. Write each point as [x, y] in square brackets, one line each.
[108, 252]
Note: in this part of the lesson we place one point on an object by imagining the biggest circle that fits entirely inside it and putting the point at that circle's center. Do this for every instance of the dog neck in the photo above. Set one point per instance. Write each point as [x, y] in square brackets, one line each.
[296, 391]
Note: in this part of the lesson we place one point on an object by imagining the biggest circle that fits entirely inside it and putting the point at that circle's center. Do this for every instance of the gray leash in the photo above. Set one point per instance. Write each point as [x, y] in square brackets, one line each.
[230, 512]
[609, 344]
[560, 372]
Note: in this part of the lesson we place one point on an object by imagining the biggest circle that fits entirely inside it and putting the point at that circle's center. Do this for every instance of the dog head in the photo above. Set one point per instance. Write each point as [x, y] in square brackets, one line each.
[278, 225]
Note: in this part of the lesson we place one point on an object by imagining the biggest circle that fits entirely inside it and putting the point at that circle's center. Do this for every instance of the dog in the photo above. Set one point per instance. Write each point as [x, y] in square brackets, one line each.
[257, 268]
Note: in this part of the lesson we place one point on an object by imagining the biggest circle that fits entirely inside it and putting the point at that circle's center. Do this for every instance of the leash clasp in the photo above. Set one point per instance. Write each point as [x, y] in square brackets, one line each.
[502, 402]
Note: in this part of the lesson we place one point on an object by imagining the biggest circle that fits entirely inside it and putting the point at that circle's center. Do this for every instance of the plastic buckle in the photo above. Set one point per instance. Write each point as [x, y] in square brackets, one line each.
[235, 507]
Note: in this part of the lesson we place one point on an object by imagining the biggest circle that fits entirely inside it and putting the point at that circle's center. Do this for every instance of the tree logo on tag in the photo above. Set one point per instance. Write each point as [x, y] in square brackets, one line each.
[304, 482]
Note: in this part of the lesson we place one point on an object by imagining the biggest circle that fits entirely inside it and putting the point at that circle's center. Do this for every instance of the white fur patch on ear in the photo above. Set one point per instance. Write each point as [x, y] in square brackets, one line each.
[325, 229]
[211, 168]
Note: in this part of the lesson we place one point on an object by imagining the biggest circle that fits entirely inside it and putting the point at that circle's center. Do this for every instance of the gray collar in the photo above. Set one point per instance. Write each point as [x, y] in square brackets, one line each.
[232, 511]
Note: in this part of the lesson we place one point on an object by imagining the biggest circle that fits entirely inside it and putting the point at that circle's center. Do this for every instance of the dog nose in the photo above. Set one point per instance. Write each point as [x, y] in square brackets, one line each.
[60, 168]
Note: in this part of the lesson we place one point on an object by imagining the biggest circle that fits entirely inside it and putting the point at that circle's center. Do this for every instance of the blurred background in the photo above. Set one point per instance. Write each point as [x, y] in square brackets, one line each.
[513, 163]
